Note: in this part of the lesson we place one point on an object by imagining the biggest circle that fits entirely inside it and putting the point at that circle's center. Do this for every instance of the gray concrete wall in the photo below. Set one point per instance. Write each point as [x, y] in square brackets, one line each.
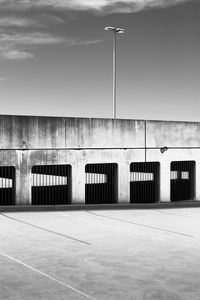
[28, 141]
[18, 132]
[172, 134]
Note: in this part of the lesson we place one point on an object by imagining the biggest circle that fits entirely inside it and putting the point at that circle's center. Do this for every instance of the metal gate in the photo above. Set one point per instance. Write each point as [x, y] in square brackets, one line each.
[101, 183]
[182, 180]
[51, 184]
[7, 185]
[144, 182]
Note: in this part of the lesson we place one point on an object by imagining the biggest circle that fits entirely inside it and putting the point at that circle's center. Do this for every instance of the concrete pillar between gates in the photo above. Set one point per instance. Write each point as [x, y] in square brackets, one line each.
[124, 183]
[165, 181]
[197, 185]
[78, 184]
[23, 180]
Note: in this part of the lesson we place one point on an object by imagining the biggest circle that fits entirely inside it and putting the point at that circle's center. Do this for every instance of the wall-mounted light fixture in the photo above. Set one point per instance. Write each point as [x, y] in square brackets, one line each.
[163, 149]
[24, 146]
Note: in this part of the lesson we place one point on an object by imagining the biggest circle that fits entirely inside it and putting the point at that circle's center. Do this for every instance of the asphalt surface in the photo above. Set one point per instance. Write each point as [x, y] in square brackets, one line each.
[105, 254]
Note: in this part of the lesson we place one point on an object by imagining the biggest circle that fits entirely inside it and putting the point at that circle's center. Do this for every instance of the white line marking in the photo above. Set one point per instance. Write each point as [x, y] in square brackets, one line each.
[139, 224]
[46, 275]
[45, 229]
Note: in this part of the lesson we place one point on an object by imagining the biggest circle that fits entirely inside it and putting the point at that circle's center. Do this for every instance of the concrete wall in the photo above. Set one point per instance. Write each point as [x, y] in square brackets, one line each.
[28, 141]
[18, 132]
[172, 134]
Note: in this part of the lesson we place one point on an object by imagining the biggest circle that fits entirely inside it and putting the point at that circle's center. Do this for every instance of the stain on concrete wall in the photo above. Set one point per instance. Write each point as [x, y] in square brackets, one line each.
[19, 132]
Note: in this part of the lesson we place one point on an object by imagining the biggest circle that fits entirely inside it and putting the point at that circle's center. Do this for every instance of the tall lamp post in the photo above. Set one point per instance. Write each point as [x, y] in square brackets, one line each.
[115, 30]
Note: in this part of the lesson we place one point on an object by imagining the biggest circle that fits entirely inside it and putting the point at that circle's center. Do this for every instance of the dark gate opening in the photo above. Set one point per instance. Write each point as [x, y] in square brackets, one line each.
[101, 183]
[144, 182]
[52, 184]
[182, 180]
[7, 185]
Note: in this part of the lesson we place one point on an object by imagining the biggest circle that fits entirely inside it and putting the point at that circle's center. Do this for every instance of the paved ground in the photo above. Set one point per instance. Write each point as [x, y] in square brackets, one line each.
[107, 254]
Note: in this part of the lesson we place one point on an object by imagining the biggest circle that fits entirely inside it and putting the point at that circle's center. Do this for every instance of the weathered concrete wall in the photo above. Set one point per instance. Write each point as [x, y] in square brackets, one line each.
[172, 134]
[24, 160]
[18, 132]
[165, 160]
[28, 141]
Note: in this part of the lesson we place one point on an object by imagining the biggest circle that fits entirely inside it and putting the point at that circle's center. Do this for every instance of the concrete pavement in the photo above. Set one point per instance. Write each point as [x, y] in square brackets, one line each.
[106, 254]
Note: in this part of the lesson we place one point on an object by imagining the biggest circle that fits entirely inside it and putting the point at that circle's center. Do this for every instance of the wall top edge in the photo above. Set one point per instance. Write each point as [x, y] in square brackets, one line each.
[91, 118]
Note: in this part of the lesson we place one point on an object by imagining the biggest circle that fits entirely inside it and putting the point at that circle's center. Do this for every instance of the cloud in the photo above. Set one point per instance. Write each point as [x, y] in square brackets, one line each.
[34, 38]
[41, 21]
[12, 45]
[40, 15]
[15, 54]
[17, 22]
[76, 42]
[99, 6]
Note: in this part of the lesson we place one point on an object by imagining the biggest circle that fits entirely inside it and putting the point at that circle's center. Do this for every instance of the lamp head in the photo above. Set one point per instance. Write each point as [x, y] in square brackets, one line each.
[117, 30]
[120, 30]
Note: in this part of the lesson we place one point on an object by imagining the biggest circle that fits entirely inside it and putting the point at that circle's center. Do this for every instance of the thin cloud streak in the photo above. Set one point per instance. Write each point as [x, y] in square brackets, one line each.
[76, 42]
[34, 38]
[12, 45]
[41, 21]
[17, 22]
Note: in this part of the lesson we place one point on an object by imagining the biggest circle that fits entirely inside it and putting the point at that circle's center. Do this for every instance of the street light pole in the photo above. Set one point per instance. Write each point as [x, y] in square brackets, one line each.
[115, 31]
[114, 75]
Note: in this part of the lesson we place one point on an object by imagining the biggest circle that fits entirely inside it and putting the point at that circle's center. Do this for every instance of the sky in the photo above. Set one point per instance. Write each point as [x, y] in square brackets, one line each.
[56, 58]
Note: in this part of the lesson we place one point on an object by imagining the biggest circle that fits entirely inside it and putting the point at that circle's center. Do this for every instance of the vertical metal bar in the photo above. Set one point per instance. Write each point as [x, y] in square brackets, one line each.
[152, 183]
[180, 185]
[147, 168]
[36, 190]
[39, 188]
[61, 186]
[135, 177]
[130, 183]
[33, 186]
[111, 198]
[11, 185]
[7, 195]
[144, 180]
[102, 193]
[109, 194]
[85, 184]
[106, 190]
[43, 190]
[64, 184]
[2, 199]
[3, 191]
[1, 172]
[5, 198]
[53, 184]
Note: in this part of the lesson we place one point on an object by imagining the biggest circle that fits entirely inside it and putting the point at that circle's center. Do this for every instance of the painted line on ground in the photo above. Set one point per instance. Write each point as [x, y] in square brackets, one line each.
[45, 229]
[46, 275]
[141, 225]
